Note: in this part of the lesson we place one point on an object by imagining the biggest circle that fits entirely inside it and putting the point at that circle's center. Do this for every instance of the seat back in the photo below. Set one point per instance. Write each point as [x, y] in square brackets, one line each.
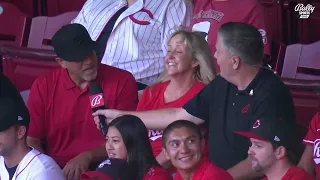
[15, 25]
[23, 71]
[302, 61]
[43, 28]
[56, 7]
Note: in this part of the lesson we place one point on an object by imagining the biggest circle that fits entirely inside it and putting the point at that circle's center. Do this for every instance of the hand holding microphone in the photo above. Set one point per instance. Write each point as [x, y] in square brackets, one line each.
[97, 103]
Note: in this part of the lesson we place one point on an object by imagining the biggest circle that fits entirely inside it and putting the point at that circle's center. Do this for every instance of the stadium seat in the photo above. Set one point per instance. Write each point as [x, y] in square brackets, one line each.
[56, 7]
[15, 25]
[43, 28]
[302, 61]
[23, 65]
[301, 72]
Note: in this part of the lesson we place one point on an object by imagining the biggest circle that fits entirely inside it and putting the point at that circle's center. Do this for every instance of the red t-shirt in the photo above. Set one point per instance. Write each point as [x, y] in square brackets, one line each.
[155, 100]
[157, 173]
[313, 139]
[61, 115]
[207, 171]
[209, 15]
[295, 173]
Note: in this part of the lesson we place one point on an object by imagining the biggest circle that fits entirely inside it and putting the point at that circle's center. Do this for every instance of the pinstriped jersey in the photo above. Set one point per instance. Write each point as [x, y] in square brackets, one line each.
[138, 41]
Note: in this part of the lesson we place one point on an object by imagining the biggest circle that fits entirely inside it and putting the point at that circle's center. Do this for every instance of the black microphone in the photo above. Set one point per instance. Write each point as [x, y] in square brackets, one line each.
[97, 102]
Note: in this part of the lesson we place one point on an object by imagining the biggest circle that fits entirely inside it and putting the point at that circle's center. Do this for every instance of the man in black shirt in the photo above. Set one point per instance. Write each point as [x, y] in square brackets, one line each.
[244, 92]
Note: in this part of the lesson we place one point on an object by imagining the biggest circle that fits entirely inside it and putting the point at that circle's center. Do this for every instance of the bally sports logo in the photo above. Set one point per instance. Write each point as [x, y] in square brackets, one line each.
[96, 100]
[304, 11]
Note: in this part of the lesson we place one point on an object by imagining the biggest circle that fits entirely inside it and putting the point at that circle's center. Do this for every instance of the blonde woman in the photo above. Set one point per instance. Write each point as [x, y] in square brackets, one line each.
[188, 68]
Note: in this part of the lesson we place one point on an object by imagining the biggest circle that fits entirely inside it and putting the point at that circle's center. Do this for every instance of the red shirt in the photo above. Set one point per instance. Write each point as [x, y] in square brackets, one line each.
[209, 15]
[155, 100]
[157, 173]
[313, 139]
[61, 114]
[207, 171]
[295, 173]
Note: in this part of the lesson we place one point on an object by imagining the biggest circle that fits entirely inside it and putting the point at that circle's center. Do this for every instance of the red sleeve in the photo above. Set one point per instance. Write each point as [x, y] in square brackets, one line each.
[222, 174]
[312, 132]
[256, 18]
[128, 97]
[36, 107]
[158, 174]
[144, 99]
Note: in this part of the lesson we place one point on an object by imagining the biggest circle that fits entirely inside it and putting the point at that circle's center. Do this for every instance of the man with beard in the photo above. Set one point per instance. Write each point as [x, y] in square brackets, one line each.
[271, 140]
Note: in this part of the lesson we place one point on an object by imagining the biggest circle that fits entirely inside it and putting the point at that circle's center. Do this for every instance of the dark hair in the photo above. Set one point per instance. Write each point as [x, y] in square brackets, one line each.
[135, 136]
[243, 40]
[179, 124]
[291, 156]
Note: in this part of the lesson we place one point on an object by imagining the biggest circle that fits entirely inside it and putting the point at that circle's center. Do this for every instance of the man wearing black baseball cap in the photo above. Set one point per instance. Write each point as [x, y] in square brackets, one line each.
[60, 112]
[271, 141]
[17, 159]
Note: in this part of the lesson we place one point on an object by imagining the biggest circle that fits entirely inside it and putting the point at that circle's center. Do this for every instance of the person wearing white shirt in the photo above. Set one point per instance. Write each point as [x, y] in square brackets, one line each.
[133, 34]
[18, 161]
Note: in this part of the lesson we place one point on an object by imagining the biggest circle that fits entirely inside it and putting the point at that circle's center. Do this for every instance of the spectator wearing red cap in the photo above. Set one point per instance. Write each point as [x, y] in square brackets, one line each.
[310, 160]
[184, 145]
[127, 139]
[270, 152]
[187, 70]
[61, 115]
[209, 15]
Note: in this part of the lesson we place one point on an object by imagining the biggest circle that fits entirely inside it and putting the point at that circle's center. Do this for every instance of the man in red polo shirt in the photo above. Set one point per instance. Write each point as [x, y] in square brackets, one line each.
[61, 115]
[184, 146]
[209, 15]
[271, 140]
[310, 160]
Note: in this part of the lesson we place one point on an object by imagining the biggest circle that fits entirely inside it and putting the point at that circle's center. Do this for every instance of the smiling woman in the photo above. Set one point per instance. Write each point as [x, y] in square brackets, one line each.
[127, 139]
[188, 68]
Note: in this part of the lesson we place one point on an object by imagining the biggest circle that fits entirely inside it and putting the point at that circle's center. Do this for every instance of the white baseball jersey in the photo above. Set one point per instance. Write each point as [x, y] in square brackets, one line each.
[139, 37]
[34, 166]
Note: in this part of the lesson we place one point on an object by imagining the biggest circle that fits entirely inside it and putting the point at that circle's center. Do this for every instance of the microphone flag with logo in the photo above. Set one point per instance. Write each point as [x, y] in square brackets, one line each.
[96, 103]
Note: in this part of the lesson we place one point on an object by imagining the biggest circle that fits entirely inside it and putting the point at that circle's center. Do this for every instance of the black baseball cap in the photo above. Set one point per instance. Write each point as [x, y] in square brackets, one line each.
[272, 129]
[12, 107]
[12, 113]
[73, 42]
[108, 170]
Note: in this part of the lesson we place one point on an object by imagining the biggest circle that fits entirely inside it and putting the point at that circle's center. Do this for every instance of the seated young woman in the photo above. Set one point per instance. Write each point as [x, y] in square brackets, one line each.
[188, 68]
[127, 140]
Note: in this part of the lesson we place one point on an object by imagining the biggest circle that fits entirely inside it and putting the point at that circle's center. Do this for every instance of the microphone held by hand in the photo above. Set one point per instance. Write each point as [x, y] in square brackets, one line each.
[97, 102]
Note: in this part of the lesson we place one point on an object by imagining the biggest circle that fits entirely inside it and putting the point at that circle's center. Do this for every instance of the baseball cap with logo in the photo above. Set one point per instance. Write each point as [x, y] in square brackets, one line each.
[274, 130]
[73, 42]
[110, 169]
[12, 113]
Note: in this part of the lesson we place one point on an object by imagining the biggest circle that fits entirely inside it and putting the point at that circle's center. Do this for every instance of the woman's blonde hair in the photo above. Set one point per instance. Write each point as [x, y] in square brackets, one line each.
[201, 52]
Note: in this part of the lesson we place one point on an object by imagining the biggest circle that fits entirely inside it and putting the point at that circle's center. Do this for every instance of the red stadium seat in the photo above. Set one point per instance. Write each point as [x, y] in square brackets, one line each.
[301, 72]
[14, 25]
[43, 28]
[23, 65]
[56, 7]
[302, 61]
